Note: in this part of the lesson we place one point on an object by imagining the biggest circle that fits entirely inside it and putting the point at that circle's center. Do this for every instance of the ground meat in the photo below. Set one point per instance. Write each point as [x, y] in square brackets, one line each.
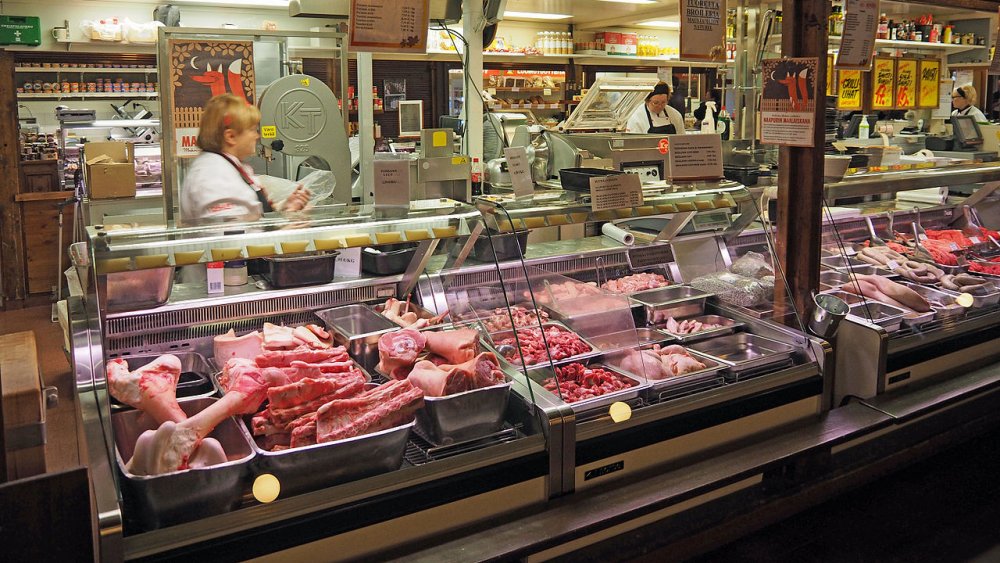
[577, 382]
[562, 344]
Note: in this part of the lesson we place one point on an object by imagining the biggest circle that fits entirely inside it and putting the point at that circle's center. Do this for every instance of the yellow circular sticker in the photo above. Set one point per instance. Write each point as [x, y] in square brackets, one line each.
[266, 488]
[620, 412]
[965, 300]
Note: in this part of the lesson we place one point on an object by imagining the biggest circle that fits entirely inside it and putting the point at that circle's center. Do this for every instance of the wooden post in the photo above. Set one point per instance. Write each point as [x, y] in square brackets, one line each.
[800, 170]
[11, 243]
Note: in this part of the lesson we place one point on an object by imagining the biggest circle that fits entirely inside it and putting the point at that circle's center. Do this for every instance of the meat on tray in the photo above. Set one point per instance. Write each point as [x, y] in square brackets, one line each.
[151, 388]
[887, 291]
[384, 407]
[661, 363]
[273, 337]
[636, 282]
[500, 320]
[564, 291]
[562, 344]
[399, 312]
[398, 351]
[688, 326]
[950, 235]
[967, 283]
[991, 269]
[442, 380]
[577, 382]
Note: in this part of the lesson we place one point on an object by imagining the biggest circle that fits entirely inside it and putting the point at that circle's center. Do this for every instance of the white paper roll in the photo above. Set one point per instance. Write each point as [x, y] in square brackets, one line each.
[618, 234]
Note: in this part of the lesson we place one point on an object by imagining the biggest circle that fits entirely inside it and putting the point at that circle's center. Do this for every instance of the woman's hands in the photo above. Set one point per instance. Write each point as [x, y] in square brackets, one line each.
[297, 200]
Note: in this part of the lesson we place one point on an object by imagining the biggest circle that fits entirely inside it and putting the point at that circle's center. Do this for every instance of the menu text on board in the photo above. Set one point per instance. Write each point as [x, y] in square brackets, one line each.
[617, 191]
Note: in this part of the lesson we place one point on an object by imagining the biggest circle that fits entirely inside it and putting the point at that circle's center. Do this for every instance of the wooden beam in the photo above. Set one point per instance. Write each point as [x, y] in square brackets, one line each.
[800, 170]
[12, 257]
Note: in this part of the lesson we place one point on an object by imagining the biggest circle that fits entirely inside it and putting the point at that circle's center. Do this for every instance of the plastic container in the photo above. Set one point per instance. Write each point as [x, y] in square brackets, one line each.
[296, 271]
[387, 259]
[578, 179]
[507, 246]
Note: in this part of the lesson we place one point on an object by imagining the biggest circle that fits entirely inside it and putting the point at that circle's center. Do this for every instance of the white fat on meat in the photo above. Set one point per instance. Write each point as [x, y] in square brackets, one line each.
[228, 345]
[278, 337]
[151, 388]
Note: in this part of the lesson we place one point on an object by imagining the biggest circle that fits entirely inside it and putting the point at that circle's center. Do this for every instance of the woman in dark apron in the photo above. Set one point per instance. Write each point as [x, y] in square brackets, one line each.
[655, 116]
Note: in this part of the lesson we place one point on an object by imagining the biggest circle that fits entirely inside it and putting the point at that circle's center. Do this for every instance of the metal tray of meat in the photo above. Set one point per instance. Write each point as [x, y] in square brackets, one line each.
[743, 351]
[711, 371]
[659, 270]
[357, 328]
[491, 318]
[844, 263]
[835, 278]
[943, 304]
[463, 416]
[886, 316]
[308, 468]
[726, 326]
[420, 311]
[978, 301]
[674, 301]
[196, 374]
[641, 336]
[540, 374]
[158, 501]
[516, 363]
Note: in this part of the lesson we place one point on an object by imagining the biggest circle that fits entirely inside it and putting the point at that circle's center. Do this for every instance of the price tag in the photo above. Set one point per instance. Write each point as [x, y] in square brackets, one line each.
[520, 171]
[640, 257]
[491, 91]
[349, 263]
[547, 91]
[615, 192]
[892, 265]
[392, 183]
[515, 89]
[953, 246]
[216, 273]
[975, 240]
[850, 251]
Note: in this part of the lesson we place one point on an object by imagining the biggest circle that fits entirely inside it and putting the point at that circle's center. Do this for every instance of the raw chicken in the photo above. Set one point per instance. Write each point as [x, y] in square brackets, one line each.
[173, 446]
[399, 312]
[660, 363]
[151, 388]
[228, 345]
[688, 326]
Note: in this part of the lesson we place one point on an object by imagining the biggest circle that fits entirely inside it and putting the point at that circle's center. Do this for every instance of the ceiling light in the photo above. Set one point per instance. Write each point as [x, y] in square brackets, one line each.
[240, 3]
[535, 15]
[632, 1]
[662, 24]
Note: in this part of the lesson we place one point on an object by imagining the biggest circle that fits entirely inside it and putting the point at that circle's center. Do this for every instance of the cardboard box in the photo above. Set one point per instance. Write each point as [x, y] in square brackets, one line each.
[616, 43]
[110, 170]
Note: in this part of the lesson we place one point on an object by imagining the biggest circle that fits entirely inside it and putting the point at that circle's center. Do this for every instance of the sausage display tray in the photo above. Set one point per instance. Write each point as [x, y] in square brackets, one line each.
[743, 352]
[886, 316]
[463, 416]
[158, 501]
[978, 301]
[538, 375]
[493, 337]
[943, 304]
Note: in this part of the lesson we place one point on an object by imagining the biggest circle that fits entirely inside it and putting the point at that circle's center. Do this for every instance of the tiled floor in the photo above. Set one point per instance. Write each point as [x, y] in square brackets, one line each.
[61, 449]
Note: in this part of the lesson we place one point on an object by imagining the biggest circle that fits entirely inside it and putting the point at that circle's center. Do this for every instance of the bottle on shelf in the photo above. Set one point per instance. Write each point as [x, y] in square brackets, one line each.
[477, 177]
[883, 27]
[863, 128]
[948, 30]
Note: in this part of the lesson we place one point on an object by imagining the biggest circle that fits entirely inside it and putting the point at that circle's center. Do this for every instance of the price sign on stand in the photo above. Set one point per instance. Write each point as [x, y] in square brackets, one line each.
[617, 191]
[392, 183]
[695, 157]
[520, 171]
[349, 263]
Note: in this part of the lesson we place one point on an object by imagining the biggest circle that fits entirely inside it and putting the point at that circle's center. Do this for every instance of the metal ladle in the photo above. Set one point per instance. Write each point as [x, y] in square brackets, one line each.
[919, 252]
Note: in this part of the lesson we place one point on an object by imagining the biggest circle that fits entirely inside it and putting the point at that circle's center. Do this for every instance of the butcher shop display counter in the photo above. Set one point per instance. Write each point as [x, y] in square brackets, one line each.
[401, 405]
[921, 280]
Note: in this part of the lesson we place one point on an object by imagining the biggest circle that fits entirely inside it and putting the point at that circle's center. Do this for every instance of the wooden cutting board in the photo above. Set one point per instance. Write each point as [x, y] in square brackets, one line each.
[22, 401]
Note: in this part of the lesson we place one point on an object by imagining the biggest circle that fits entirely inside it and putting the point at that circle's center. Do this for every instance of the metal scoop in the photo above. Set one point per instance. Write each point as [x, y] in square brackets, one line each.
[919, 252]
[975, 214]
[871, 230]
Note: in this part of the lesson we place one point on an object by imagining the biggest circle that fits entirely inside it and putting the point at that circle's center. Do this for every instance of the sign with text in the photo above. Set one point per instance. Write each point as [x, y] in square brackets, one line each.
[392, 183]
[788, 103]
[857, 45]
[396, 26]
[849, 90]
[199, 70]
[695, 157]
[348, 263]
[520, 171]
[906, 84]
[703, 31]
[616, 191]
[883, 83]
[930, 77]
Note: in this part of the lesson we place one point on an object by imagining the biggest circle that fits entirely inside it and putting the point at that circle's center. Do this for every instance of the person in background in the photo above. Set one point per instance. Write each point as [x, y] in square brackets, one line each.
[677, 94]
[715, 96]
[217, 184]
[964, 99]
[655, 116]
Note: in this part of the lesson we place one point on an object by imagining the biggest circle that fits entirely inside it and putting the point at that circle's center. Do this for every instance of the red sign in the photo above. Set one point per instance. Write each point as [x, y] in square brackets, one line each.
[663, 146]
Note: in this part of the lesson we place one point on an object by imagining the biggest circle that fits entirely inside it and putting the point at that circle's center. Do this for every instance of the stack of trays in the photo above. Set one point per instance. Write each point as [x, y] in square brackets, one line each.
[157, 501]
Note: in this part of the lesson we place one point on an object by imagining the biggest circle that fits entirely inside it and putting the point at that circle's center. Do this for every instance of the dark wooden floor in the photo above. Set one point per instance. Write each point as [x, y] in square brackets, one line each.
[943, 509]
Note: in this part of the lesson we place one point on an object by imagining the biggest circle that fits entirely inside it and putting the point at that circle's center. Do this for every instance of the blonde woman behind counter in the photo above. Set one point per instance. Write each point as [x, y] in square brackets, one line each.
[217, 184]
[964, 100]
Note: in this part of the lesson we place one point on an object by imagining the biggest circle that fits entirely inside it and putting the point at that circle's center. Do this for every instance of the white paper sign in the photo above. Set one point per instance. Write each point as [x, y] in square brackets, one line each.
[860, 27]
[703, 32]
[396, 26]
[695, 157]
[520, 171]
[348, 263]
[615, 192]
[392, 183]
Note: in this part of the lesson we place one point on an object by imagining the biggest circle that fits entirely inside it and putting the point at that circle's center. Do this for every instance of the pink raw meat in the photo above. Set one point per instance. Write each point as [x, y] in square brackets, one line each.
[386, 406]
[456, 346]
[399, 348]
[284, 358]
[151, 388]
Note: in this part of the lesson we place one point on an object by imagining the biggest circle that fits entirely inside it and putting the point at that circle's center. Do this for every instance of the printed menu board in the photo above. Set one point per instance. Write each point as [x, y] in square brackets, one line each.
[849, 90]
[906, 84]
[930, 79]
[883, 83]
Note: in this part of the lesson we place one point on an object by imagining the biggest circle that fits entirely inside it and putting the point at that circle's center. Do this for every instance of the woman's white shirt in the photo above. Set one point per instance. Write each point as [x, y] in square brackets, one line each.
[639, 123]
[971, 110]
[214, 188]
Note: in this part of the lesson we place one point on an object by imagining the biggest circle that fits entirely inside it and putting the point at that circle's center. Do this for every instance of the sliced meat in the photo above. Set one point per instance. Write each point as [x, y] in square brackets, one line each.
[386, 406]
[284, 358]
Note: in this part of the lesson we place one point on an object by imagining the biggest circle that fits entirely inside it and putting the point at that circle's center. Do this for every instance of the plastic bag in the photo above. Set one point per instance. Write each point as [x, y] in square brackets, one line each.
[140, 32]
[108, 29]
[752, 265]
[734, 288]
[320, 183]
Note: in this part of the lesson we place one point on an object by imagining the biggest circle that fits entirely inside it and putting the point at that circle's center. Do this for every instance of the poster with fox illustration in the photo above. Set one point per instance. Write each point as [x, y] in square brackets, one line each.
[788, 102]
[199, 70]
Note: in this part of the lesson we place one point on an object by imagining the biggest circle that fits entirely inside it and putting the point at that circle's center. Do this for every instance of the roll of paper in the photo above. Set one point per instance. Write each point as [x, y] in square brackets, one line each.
[618, 234]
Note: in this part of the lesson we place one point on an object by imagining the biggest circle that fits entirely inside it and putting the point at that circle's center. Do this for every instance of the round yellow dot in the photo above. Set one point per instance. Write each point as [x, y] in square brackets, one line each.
[266, 488]
[965, 300]
[620, 412]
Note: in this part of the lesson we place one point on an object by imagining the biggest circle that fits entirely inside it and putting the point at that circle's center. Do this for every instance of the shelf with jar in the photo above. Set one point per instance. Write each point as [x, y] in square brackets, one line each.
[71, 81]
[525, 89]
